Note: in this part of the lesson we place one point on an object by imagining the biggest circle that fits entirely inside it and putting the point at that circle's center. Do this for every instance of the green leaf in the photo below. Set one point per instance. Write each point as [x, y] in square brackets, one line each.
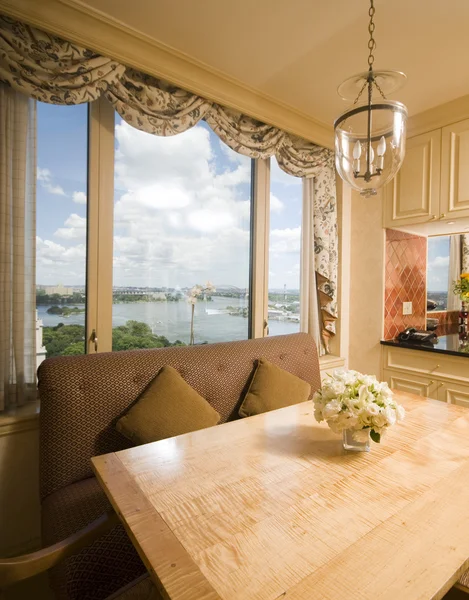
[375, 436]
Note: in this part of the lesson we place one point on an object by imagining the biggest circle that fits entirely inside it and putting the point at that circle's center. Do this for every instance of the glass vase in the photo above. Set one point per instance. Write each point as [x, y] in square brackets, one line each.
[352, 445]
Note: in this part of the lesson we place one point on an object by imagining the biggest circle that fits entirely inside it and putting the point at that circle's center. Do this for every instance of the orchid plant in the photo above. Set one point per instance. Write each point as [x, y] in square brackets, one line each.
[198, 291]
[351, 400]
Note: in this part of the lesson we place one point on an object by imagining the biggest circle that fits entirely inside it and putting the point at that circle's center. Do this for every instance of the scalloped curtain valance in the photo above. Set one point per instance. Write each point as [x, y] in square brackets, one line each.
[50, 69]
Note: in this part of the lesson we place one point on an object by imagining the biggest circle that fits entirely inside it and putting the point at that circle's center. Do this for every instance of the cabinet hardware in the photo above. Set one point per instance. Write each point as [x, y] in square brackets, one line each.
[433, 217]
[443, 215]
[434, 368]
[439, 386]
[430, 383]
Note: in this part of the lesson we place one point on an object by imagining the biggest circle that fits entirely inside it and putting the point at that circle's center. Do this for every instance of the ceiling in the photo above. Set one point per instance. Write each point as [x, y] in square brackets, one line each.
[298, 52]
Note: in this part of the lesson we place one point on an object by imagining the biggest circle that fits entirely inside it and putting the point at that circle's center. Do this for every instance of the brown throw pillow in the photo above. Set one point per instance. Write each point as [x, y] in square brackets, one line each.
[169, 406]
[272, 388]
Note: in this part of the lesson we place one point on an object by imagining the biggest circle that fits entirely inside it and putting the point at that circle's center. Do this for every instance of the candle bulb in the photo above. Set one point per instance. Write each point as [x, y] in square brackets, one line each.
[357, 150]
[381, 152]
[381, 146]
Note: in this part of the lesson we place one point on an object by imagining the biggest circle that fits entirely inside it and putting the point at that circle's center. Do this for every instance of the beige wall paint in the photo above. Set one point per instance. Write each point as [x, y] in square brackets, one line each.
[19, 477]
[366, 284]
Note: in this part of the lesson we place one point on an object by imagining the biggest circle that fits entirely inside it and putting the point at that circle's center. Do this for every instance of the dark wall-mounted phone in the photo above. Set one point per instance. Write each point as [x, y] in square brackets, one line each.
[412, 336]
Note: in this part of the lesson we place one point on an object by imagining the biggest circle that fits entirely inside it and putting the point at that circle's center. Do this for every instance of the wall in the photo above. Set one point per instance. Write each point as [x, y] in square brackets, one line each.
[406, 281]
[366, 284]
[19, 477]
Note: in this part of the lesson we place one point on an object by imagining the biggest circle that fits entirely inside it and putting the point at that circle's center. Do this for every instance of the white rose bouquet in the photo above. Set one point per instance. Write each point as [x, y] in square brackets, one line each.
[349, 400]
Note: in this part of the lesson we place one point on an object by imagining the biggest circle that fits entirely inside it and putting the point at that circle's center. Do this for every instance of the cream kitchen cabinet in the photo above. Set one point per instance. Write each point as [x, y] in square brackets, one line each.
[414, 384]
[454, 393]
[413, 196]
[440, 376]
[454, 195]
[433, 182]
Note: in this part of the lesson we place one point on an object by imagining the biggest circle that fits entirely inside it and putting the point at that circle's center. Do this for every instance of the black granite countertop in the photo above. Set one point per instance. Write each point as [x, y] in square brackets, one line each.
[446, 344]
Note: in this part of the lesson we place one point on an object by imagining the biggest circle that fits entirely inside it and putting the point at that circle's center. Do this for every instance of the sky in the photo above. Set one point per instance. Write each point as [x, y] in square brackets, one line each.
[181, 208]
[438, 264]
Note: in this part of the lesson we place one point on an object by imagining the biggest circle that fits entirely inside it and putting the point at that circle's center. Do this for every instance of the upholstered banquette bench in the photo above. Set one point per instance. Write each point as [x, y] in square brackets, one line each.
[82, 397]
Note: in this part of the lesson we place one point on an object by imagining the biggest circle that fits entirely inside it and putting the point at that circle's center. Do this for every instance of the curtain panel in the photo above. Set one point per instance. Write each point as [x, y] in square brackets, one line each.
[50, 69]
[465, 253]
[17, 248]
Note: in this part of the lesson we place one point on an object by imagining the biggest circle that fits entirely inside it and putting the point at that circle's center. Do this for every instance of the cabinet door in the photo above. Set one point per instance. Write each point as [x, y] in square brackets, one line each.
[413, 195]
[414, 384]
[454, 196]
[454, 393]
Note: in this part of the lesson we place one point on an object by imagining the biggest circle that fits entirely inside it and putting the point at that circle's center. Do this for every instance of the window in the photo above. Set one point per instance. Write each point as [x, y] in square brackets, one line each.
[438, 272]
[284, 251]
[183, 211]
[182, 218]
[62, 138]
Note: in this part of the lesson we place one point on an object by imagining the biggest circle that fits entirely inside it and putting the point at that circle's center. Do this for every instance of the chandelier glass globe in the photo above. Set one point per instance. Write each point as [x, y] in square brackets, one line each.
[370, 144]
[370, 136]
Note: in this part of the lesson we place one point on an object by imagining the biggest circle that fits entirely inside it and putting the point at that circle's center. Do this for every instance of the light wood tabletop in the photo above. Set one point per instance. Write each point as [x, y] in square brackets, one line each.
[271, 507]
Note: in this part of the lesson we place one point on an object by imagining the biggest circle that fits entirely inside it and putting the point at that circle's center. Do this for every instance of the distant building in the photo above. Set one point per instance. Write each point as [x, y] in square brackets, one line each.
[58, 289]
[158, 295]
[40, 349]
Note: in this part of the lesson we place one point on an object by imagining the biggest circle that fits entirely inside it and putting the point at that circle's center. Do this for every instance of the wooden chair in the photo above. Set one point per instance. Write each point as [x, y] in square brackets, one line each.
[463, 583]
[16, 569]
[13, 570]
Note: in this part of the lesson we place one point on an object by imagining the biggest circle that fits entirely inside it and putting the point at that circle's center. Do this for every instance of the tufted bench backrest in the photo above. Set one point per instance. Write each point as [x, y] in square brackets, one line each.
[83, 396]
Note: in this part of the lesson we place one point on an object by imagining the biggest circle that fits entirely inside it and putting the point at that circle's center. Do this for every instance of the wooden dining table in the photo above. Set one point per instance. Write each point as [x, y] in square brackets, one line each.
[272, 507]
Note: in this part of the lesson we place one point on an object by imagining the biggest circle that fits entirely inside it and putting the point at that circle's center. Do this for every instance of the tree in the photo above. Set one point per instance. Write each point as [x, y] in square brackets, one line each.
[138, 328]
[75, 349]
[55, 310]
[69, 340]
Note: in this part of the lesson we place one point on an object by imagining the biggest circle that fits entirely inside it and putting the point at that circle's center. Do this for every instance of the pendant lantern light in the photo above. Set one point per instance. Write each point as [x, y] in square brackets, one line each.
[370, 136]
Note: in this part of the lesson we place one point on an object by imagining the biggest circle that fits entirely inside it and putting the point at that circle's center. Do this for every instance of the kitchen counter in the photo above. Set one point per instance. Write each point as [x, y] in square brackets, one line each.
[447, 344]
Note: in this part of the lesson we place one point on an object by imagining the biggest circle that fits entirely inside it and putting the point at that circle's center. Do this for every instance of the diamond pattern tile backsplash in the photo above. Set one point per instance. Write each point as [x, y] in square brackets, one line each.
[405, 281]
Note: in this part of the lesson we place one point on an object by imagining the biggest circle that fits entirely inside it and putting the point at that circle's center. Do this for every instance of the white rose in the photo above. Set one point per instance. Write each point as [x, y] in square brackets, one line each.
[372, 409]
[318, 415]
[380, 420]
[390, 414]
[331, 409]
[338, 387]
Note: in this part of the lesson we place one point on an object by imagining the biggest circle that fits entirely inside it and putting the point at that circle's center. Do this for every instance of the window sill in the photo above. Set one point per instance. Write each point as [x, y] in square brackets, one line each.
[20, 419]
[331, 361]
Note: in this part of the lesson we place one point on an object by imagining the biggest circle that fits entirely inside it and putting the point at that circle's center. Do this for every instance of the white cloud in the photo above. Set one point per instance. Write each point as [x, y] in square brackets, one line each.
[179, 220]
[284, 241]
[180, 217]
[44, 177]
[75, 228]
[276, 205]
[79, 197]
[439, 262]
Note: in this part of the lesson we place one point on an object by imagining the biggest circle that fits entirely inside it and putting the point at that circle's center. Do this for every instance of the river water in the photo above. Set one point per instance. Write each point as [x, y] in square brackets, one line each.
[172, 319]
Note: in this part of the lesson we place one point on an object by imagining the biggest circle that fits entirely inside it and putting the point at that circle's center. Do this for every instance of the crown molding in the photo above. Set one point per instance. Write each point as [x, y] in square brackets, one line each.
[91, 28]
[439, 116]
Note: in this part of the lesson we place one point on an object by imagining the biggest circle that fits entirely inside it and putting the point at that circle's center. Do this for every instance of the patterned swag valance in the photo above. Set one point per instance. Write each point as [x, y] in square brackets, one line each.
[50, 69]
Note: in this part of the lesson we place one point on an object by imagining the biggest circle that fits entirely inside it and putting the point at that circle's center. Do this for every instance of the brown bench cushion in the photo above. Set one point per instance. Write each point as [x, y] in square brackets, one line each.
[104, 567]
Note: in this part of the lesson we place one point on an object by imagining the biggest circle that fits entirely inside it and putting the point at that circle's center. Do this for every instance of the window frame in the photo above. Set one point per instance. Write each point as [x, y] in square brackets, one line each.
[100, 223]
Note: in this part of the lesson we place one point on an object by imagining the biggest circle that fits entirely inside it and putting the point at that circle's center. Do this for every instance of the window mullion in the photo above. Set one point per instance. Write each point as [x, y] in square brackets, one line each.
[260, 248]
[100, 226]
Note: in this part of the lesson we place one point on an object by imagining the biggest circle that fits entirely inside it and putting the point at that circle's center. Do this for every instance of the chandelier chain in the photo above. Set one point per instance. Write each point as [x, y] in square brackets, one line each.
[376, 84]
[371, 30]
